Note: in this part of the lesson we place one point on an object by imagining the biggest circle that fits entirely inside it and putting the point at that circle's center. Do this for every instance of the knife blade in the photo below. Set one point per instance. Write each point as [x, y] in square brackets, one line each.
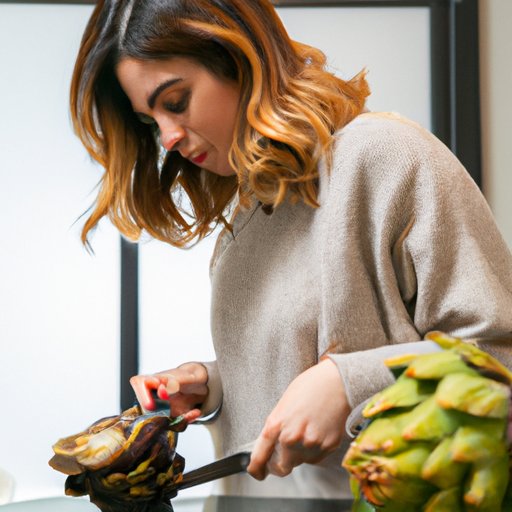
[163, 408]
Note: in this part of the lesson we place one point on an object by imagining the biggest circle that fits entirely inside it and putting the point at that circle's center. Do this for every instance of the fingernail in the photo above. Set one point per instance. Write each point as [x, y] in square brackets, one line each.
[162, 393]
[148, 406]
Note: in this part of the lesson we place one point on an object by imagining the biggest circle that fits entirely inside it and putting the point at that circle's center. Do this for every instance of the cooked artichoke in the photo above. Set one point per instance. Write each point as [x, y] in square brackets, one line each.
[124, 463]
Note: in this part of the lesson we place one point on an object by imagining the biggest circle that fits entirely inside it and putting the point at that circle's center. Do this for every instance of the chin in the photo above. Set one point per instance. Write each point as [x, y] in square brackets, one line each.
[222, 172]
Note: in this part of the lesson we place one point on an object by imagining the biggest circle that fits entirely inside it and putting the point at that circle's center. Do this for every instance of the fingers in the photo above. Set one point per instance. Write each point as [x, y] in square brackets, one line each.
[262, 452]
[282, 461]
[162, 392]
[305, 424]
[278, 456]
[192, 415]
[270, 456]
[181, 403]
[182, 421]
[189, 378]
[183, 387]
[143, 385]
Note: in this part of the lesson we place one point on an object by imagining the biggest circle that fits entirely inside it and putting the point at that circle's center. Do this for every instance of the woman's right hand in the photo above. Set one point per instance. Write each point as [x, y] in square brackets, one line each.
[185, 387]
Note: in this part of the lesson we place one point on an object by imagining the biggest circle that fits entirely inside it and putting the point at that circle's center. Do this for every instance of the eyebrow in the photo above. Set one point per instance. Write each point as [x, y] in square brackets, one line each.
[164, 85]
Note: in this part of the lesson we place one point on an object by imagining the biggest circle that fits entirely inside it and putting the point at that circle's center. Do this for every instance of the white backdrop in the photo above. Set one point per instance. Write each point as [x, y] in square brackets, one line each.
[59, 306]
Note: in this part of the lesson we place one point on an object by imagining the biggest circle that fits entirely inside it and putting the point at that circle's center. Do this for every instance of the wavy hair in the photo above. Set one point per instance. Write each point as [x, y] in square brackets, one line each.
[290, 106]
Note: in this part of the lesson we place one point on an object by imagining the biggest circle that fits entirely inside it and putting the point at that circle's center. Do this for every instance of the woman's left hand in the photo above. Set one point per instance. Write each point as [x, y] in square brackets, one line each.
[306, 425]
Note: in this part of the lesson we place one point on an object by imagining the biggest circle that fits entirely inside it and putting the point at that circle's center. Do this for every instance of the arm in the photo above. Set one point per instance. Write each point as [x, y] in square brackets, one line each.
[451, 265]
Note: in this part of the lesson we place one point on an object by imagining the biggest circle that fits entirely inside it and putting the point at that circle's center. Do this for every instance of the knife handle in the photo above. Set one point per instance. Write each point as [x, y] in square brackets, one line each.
[219, 469]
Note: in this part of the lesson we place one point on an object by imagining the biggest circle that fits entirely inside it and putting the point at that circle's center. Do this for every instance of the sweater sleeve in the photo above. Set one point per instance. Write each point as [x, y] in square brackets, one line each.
[450, 264]
[461, 263]
[361, 381]
[212, 405]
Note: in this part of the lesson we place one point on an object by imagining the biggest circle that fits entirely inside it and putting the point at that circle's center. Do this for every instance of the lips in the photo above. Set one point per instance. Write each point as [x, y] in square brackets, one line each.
[199, 159]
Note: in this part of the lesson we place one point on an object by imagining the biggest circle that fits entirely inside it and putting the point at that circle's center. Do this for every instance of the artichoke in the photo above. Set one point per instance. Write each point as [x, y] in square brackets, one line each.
[436, 439]
[124, 463]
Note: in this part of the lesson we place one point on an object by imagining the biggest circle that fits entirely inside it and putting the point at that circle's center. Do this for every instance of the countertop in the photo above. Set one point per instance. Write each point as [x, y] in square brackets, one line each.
[209, 504]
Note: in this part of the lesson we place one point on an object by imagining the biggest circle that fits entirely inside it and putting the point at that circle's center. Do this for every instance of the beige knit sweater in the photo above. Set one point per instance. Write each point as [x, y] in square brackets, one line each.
[403, 243]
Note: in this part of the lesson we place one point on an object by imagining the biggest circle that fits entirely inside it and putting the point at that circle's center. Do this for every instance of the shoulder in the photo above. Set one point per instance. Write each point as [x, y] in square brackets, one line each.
[394, 149]
[386, 133]
[386, 161]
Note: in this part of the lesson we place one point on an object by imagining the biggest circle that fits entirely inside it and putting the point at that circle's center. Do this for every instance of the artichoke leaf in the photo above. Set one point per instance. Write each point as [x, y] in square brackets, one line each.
[437, 365]
[470, 444]
[446, 500]
[487, 485]
[483, 362]
[405, 392]
[441, 470]
[383, 435]
[428, 421]
[478, 396]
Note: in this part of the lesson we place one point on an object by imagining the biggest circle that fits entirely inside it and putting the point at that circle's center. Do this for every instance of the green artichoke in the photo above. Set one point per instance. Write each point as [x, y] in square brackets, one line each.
[124, 463]
[436, 439]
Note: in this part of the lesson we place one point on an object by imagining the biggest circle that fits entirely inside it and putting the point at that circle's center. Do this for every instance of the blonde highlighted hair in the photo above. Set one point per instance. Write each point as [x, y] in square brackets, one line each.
[290, 106]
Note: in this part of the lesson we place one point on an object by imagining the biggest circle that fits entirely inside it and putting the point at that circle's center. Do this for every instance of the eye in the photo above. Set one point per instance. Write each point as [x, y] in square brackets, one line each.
[144, 118]
[180, 106]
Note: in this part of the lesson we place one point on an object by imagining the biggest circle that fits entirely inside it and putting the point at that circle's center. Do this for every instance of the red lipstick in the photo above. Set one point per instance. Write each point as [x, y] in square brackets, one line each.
[200, 158]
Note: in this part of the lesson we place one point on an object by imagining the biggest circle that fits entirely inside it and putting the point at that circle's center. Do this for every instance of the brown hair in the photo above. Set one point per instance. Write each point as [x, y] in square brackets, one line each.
[290, 107]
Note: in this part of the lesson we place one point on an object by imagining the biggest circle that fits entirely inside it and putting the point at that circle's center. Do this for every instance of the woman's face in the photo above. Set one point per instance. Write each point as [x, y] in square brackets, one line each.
[194, 109]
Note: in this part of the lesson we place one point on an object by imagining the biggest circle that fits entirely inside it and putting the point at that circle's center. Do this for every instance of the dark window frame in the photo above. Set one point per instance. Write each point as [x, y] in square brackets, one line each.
[455, 112]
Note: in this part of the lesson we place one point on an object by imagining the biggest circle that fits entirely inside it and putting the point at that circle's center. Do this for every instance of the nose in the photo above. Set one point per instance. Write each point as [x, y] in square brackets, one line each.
[170, 136]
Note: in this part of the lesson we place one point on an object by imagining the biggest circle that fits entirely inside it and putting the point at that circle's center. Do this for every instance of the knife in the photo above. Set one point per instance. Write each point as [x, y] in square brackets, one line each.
[221, 468]
[163, 408]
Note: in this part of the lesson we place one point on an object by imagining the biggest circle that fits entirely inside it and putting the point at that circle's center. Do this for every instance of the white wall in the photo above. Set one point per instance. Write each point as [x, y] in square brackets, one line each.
[392, 43]
[58, 305]
[496, 97]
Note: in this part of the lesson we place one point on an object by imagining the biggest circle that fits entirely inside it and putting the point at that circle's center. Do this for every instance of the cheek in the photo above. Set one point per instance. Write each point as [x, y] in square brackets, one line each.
[223, 116]
[215, 115]
[219, 129]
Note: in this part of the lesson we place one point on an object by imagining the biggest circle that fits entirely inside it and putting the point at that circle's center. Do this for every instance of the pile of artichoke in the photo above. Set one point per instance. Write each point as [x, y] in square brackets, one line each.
[124, 463]
[436, 439]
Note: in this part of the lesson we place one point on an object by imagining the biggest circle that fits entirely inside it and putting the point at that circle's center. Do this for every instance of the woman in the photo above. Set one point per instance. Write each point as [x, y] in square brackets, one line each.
[347, 233]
